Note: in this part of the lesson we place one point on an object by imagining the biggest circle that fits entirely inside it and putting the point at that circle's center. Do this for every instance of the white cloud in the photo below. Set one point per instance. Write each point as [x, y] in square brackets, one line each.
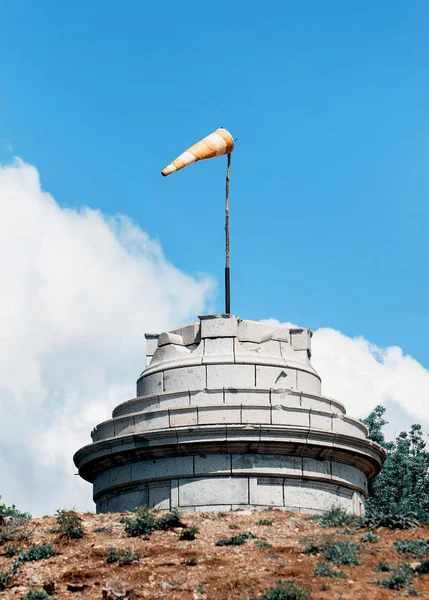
[78, 292]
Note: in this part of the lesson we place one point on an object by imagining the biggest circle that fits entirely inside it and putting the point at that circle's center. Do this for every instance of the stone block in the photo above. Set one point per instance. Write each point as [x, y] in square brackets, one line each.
[285, 397]
[265, 352]
[151, 343]
[208, 415]
[190, 334]
[300, 339]
[213, 326]
[185, 378]
[283, 415]
[170, 338]
[167, 354]
[124, 426]
[244, 397]
[288, 353]
[103, 431]
[346, 426]
[319, 420]
[101, 482]
[166, 401]
[317, 404]
[267, 464]
[162, 468]
[204, 397]
[275, 377]
[349, 474]
[230, 376]
[211, 508]
[308, 383]
[211, 464]
[159, 496]
[213, 490]
[256, 414]
[251, 331]
[316, 468]
[266, 491]
[174, 494]
[218, 350]
[150, 384]
[147, 421]
[183, 417]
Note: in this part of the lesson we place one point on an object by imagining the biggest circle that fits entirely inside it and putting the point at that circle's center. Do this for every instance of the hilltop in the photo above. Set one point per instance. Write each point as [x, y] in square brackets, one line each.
[275, 546]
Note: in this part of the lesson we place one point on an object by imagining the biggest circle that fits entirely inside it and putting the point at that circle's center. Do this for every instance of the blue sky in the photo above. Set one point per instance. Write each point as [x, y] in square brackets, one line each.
[330, 178]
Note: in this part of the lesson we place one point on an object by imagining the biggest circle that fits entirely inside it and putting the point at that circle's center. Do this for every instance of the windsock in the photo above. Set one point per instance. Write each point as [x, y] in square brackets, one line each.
[217, 143]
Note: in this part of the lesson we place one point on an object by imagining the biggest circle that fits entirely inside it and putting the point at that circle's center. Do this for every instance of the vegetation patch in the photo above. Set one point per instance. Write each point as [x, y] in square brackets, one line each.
[102, 530]
[141, 522]
[267, 522]
[287, 589]
[324, 569]
[4, 579]
[125, 557]
[369, 536]
[412, 548]
[335, 517]
[37, 552]
[236, 540]
[340, 552]
[423, 567]
[188, 534]
[36, 595]
[384, 567]
[191, 562]
[260, 544]
[70, 524]
[400, 577]
[170, 520]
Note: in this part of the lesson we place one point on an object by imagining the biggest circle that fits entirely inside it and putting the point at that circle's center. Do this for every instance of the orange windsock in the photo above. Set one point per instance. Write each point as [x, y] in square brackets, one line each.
[217, 143]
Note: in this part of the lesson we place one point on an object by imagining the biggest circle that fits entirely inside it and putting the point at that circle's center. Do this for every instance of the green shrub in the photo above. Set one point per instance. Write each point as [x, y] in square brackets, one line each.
[263, 545]
[287, 589]
[36, 595]
[265, 522]
[400, 577]
[11, 551]
[384, 567]
[324, 569]
[4, 579]
[340, 552]
[128, 556]
[335, 517]
[102, 530]
[70, 524]
[369, 536]
[188, 534]
[423, 567]
[191, 562]
[18, 517]
[236, 540]
[170, 520]
[412, 548]
[112, 556]
[141, 522]
[37, 552]
[390, 520]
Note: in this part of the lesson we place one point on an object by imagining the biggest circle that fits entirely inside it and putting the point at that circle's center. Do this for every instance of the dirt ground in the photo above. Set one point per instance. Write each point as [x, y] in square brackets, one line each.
[79, 570]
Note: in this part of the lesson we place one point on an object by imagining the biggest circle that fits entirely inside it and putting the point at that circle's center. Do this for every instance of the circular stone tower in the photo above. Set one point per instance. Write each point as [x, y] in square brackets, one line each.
[229, 414]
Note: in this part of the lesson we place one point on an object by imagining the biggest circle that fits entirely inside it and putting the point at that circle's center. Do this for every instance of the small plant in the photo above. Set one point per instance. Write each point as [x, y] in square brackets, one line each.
[176, 582]
[170, 520]
[335, 517]
[286, 589]
[17, 517]
[412, 548]
[384, 567]
[191, 562]
[102, 530]
[236, 540]
[267, 522]
[128, 556]
[70, 524]
[400, 577]
[37, 552]
[260, 544]
[323, 569]
[189, 533]
[4, 579]
[337, 553]
[11, 551]
[112, 556]
[369, 536]
[36, 595]
[201, 589]
[141, 522]
[390, 520]
[423, 567]
[347, 531]
[412, 592]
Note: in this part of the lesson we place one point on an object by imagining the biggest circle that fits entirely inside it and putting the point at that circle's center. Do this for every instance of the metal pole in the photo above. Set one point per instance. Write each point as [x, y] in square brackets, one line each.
[227, 271]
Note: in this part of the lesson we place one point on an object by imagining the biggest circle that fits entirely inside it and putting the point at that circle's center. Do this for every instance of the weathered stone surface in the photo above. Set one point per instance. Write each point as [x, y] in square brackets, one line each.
[114, 589]
[229, 415]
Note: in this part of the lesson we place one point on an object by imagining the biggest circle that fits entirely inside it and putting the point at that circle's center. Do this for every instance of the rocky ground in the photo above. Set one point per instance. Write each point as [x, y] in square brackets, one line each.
[171, 568]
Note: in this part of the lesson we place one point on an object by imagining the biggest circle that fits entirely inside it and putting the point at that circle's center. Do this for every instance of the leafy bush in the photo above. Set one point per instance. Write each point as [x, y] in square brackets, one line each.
[37, 552]
[170, 520]
[369, 536]
[36, 595]
[384, 566]
[191, 562]
[260, 544]
[128, 556]
[70, 524]
[188, 534]
[102, 530]
[236, 540]
[423, 567]
[400, 577]
[112, 556]
[4, 579]
[324, 569]
[412, 548]
[141, 522]
[11, 551]
[340, 552]
[18, 517]
[287, 589]
[265, 522]
[335, 517]
[390, 520]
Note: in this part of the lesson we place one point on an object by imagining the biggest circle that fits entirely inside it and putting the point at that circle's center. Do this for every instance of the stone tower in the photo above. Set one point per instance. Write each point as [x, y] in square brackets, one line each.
[229, 414]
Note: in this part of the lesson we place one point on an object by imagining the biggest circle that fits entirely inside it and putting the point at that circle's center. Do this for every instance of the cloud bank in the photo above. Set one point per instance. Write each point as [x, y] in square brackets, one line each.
[79, 289]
